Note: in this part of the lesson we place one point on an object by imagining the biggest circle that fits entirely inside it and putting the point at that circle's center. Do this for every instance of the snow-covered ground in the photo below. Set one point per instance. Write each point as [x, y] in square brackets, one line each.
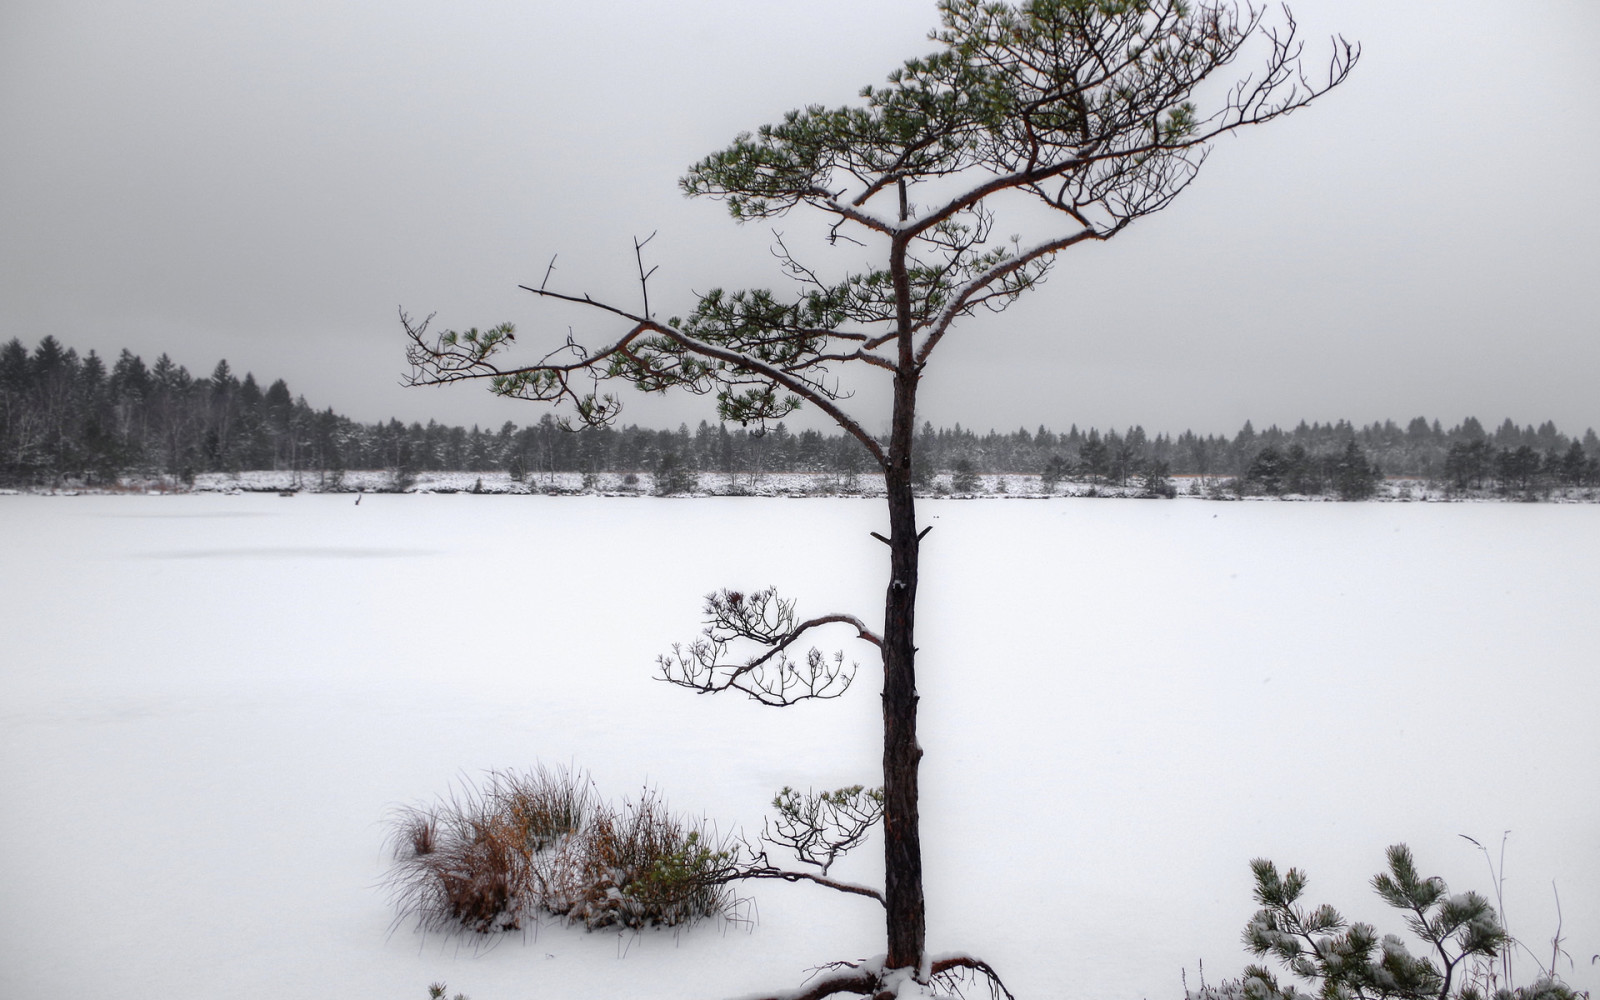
[743, 484]
[208, 704]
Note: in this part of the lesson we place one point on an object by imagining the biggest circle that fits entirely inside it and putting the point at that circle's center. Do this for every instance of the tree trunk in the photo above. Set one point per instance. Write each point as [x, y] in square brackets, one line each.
[901, 754]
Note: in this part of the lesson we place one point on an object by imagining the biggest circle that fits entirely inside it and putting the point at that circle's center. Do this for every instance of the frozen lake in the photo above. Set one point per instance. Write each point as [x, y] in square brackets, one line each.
[208, 704]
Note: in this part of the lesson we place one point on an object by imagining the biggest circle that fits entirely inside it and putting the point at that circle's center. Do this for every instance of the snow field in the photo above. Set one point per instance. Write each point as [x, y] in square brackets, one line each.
[209, 703]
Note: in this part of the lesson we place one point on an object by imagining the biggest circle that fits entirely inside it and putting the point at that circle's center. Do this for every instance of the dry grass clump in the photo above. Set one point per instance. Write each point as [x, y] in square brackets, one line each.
[531, 843]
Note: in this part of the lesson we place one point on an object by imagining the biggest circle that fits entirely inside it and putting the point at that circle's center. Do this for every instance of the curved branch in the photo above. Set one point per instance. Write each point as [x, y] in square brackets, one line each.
[799, 386]
[770, 678]
[869, 976]
[876, 360]
[853, 212]
[696, 666]
[821, 827]
[1281, 89]
[1005, 182]
[772, 872]
[963, 295]
[942, 967]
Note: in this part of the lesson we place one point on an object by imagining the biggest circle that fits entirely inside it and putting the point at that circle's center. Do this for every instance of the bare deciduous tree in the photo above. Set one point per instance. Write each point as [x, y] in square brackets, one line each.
[1081, 117]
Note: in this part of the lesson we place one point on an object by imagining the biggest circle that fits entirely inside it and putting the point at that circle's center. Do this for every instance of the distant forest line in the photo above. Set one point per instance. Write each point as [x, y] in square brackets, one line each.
[66, 418]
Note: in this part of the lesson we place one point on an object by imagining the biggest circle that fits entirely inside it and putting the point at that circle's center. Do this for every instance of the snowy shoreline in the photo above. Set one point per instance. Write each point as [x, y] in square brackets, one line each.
[719, 484]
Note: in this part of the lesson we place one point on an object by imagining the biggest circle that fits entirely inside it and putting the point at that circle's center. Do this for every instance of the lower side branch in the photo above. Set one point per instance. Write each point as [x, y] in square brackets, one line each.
[793, 876]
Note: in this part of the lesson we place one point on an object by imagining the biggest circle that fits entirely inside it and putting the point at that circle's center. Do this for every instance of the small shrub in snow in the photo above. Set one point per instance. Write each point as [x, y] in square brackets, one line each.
[640, 866]
[1155, 484]
[474, 860]
[536, 843]
[1055, 470]
[1466, 955]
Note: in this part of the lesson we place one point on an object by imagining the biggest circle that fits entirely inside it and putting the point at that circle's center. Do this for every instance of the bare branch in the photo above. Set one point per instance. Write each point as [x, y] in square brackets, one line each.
[962, 298]
[869, 976]
[947, 968]
[821, 827]
[644, 276]
[772, 677]
[456, 357]
[766, 871]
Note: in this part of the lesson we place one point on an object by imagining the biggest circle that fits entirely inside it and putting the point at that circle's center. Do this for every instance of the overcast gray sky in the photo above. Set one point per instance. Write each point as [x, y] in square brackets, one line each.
[268, 181]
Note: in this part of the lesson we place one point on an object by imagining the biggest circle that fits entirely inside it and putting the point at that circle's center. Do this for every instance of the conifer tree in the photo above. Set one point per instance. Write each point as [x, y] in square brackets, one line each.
[1089, 110]
[1085, 109]
[1465, 952]
[1573, 465]
[1354, 478]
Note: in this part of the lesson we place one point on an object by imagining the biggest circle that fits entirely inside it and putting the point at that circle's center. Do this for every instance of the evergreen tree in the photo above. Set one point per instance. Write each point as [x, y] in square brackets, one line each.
[1302, 473]
[1154, 481]
[1353, 477]
[1350, 960]
[965, 479]
[1517, 468]
[1469, 462]
[673, 477]
[1018, 101]
[1055, 470]
[1094, 457]
[1573, 465]
[1266, 473]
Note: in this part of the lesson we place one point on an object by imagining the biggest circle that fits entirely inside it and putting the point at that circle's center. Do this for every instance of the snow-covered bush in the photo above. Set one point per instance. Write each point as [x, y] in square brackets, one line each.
[527, 843]
[640, 866]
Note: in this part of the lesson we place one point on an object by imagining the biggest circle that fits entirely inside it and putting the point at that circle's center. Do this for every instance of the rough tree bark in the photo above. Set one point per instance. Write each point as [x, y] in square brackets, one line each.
[901, 754]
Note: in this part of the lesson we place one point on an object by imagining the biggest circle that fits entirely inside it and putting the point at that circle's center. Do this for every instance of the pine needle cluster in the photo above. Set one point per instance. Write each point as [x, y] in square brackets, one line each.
[1463, 935]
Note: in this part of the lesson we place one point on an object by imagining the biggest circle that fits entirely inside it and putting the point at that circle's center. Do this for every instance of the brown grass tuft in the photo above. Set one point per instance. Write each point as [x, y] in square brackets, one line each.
[527, 843]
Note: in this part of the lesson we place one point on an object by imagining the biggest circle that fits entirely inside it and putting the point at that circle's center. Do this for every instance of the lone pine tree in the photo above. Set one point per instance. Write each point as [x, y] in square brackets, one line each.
[1080, 115]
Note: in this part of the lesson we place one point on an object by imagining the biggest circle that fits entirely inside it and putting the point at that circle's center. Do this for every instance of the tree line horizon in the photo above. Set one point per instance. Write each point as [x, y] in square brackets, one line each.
[66, 417]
